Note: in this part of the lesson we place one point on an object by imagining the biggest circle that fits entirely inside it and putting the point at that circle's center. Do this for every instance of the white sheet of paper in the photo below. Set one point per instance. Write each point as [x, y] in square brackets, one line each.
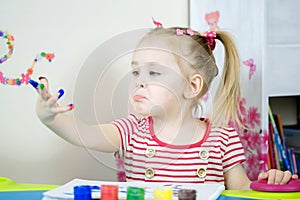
[204, 191]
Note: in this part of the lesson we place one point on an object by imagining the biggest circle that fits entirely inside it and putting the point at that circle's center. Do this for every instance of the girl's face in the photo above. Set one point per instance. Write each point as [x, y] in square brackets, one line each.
[157, 83]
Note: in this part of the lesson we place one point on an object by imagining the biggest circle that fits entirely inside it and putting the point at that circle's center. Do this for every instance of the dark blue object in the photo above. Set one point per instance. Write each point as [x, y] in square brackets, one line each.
[61, 92]
[82, 192]
[34, 83]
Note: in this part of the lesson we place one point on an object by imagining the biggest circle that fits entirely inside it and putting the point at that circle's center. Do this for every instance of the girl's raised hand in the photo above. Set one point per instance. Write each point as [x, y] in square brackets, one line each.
[275, 176]
[47, 107]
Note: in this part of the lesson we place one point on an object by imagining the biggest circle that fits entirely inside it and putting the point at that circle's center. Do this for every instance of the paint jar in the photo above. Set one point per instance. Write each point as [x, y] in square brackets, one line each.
[82, 192]
[109, 192]
[135, 193]
[187, 194]
[163, 194]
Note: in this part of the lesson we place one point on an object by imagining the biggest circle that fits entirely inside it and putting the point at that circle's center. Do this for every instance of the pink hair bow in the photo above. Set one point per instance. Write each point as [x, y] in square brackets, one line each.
[210, 38]
[188, 31]
[179, 31]
[157, 24]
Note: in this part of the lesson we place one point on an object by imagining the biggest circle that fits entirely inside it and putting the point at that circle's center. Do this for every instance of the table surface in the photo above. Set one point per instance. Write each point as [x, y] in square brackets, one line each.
[22, 195]
[227, 195]
[10, 190]
[38, 195]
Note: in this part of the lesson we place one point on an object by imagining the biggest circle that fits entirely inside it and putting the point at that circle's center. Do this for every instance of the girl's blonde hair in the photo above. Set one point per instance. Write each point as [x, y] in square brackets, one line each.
[194, 50]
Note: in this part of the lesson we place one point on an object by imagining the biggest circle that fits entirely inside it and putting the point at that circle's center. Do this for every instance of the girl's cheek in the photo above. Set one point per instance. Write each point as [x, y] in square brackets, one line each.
[131, 87]
[131, 90]
[174, 83]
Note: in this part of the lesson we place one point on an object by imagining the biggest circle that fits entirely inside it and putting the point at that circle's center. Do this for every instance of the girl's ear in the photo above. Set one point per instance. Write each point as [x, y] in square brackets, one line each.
[195, 85]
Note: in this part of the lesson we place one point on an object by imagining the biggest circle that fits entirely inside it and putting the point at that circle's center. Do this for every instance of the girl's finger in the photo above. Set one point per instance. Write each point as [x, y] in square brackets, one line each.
[52, 101]
[62, 109]
[33, 83]
[262, 175]
[271, 176]
[278, 177]
[43, 90]
[54, 98]
[44, 80]
[294, 176]
[286, 177]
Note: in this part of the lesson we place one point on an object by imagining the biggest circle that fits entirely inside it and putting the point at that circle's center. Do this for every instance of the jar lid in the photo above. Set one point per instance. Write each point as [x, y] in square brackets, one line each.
[163, 194]
[109, 192]
[135, 193]
[109, 188]
[82, 192]
[187, 194]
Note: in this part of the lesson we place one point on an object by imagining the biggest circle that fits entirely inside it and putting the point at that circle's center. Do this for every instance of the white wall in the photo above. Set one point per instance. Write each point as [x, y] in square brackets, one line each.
[280, 72]
[72, 29]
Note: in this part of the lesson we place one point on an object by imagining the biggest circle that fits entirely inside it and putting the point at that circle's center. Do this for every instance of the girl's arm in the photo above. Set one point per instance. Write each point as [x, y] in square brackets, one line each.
[104, 137]
[236, 179]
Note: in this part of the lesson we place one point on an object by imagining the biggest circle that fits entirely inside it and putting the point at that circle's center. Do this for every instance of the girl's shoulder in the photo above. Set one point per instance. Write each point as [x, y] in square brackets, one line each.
[223, 131]
[218, 129]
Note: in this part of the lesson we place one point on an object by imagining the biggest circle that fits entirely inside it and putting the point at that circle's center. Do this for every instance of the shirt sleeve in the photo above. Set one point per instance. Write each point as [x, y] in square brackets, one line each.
[234, 153]
[125, 127]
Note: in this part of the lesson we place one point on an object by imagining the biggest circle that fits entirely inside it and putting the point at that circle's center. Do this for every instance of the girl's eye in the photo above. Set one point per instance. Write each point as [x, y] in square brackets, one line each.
[135, 73]
[153, 73]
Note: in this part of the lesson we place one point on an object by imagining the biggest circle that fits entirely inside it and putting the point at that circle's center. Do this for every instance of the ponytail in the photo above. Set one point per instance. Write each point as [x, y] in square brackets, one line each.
[226, 103]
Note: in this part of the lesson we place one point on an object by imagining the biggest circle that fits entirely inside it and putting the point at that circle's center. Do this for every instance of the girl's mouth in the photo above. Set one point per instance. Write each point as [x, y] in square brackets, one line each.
[138, 97]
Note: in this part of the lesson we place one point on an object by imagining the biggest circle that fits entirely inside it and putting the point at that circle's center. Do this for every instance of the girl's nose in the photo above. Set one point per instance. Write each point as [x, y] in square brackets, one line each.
[141, 85]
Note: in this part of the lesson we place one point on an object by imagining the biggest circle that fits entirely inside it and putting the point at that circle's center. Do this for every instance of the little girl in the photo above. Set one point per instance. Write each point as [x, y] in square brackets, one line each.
[172, 68]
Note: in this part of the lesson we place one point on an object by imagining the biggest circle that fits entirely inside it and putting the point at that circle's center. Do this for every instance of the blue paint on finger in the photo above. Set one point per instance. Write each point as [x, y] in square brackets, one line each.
[33, 83]
[61, 92]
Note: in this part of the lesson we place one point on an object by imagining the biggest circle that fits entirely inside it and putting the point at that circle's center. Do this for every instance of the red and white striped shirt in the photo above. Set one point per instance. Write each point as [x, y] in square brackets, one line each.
[148, 159]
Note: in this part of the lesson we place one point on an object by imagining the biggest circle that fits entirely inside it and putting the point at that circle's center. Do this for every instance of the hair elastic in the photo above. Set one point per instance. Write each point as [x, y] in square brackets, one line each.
[187, 32]
[210, 38]
[156, 23]
[190, 31]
